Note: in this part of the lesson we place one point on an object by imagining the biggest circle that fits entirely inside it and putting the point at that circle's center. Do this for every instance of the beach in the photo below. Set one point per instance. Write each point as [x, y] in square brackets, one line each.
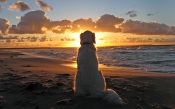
[32, 82]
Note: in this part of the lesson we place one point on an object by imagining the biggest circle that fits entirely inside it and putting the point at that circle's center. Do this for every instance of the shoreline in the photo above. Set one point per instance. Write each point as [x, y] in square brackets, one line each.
[142, 64]
[28, 82]
[72, 64]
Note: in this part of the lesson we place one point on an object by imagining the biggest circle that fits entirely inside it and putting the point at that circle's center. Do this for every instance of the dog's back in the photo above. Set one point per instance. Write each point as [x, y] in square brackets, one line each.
[87, 59]
[89, 80]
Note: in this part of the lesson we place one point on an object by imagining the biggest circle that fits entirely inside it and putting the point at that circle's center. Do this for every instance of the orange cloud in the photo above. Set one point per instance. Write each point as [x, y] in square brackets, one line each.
[20, 6]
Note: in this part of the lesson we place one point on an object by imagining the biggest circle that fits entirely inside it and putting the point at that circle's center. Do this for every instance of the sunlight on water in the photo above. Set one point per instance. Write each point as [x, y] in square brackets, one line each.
[74, 65]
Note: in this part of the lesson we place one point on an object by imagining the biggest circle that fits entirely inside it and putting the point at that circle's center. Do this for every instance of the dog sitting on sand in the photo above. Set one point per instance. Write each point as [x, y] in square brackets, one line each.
[89, 81]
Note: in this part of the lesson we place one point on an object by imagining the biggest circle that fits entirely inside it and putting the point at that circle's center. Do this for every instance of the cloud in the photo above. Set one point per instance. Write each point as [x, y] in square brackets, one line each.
[3, 1]
[20, 6]
[32, 22]
[59, 26]
[133, 39]
[8, 39]
[165, 40]
[18, 17]
[108, 23]
[151, 14]
[83, 24]
[132, 13]
[0, 8]
[33, 39]
[44, 5]
[4, 26]
[43, 39]
[36, 22]
[147, 28]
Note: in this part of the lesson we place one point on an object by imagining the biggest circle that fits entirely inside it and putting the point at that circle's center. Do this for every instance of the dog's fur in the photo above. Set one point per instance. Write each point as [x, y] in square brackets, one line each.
[89, 80]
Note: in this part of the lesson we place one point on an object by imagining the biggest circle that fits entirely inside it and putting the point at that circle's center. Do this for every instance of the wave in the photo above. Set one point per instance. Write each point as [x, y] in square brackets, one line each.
[148, 58]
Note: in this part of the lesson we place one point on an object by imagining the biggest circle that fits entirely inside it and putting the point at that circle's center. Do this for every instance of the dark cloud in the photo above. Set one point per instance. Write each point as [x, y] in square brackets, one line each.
[133, 39]
[3, 1]
[1, 37]
[44, 5]
[32, 22]
[83, 24]
[59, 26]
[151, 14]
[33, 39]
[12, 37]
[21, 40]
[43, 39]
[165, 40]
[108, 23]
[67, 39]
[132, 13]
[20, 6]
[151, 28]
[4, 26]
[9, 39]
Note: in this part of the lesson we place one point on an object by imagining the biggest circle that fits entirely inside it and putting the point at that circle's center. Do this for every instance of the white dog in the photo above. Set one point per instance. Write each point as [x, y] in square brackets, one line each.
[89, 80]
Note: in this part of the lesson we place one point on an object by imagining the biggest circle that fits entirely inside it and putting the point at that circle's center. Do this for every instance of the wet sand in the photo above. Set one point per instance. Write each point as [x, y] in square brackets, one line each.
[30, 82]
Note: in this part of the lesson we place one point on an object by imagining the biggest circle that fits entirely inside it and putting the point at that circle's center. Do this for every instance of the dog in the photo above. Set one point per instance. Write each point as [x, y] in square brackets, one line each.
[89, 81]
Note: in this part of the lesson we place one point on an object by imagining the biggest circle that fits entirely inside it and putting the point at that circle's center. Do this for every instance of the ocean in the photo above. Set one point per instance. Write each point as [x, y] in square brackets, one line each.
[148, 58]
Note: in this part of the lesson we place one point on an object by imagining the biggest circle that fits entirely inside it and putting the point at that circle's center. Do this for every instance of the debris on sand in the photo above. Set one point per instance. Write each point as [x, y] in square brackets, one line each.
[2, 101]
[64, 102]
[62, 75]
[27, 65]
[31, 86]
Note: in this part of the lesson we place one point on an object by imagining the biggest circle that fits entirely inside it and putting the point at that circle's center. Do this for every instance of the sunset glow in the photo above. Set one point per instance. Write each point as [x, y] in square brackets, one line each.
[43, 24]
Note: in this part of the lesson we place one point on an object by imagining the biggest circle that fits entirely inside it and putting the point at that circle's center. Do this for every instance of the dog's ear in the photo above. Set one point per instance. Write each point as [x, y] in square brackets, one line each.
[93, 40]
[81, 38]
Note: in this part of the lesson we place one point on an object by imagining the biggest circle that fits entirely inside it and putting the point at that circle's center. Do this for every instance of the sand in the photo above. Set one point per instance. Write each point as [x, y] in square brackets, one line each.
[32, 82]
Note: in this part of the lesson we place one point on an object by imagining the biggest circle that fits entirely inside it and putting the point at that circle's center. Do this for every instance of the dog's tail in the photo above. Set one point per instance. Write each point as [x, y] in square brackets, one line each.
[112, 97]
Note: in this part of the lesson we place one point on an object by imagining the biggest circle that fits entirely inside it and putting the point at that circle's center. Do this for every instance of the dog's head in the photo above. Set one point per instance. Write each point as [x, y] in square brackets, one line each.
[87, 37]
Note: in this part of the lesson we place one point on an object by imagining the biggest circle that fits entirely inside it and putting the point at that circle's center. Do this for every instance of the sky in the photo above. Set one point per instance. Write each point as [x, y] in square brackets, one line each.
[58, 23]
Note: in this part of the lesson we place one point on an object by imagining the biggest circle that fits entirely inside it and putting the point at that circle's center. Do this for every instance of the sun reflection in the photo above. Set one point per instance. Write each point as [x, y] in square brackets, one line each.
[74, 65]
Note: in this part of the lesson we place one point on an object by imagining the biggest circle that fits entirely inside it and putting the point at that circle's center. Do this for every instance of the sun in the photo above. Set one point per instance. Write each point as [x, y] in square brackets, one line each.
[76, 36]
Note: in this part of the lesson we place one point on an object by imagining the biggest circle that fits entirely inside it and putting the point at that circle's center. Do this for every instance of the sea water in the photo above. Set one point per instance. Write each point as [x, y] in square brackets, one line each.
[149, 58]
